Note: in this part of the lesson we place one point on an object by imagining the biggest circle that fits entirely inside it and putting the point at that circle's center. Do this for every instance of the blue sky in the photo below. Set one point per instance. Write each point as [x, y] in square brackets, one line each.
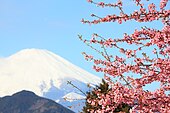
[54, 25]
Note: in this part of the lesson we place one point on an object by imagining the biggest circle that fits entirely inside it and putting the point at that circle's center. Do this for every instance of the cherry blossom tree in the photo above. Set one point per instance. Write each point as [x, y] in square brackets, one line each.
[102, 88]
[133, 68]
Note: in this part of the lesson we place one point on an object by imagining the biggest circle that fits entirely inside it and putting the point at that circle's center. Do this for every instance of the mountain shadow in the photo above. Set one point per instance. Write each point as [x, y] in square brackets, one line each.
[29, 102]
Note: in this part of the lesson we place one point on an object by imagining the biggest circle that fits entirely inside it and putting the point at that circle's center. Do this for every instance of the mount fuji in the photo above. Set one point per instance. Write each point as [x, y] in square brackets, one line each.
[46, 74]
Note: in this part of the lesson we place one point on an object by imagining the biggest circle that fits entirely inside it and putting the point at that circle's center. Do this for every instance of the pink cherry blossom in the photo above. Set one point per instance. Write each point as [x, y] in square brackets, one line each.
[147, 60]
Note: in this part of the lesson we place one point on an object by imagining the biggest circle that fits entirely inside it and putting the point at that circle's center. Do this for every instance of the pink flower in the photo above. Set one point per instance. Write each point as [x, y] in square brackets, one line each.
[163, 3]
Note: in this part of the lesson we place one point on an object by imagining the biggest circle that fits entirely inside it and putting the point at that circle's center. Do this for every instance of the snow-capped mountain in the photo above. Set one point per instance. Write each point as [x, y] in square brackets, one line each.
[44, 73]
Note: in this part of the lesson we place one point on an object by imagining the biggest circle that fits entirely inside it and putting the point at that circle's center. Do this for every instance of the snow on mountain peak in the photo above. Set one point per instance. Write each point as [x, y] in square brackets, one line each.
[72, 96]
[50, 62]
[29, 53]
[42, 72]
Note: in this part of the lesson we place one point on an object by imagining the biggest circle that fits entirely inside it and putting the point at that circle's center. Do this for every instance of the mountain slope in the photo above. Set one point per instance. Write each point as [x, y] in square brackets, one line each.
[28, 102]
[44, 73]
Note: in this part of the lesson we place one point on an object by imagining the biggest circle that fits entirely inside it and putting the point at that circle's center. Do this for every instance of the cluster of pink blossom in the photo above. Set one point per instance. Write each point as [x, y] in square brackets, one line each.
[147, 68]
[142, 101]
[141, 15]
